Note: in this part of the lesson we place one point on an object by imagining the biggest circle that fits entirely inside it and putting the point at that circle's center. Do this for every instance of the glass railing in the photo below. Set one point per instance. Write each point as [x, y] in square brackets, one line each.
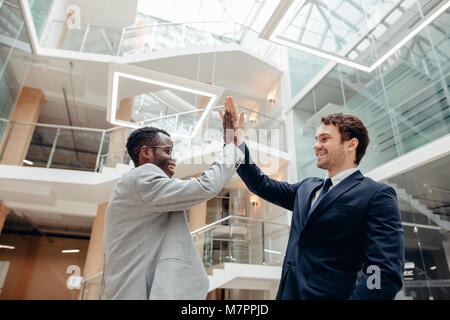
[88, 149]
[60, 147]
[147, 39]
[233, 239]
[91, 286]
[237, 239]
[259, 128]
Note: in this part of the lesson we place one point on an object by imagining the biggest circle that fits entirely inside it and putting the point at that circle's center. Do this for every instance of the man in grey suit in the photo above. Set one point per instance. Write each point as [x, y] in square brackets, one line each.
[148, 249]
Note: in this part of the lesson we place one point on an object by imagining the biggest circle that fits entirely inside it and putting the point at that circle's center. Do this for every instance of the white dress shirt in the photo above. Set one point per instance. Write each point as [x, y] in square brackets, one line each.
[334, 181]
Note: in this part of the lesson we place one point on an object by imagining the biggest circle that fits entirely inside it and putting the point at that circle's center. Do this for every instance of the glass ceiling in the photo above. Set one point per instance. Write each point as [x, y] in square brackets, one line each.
[250, 13]
[358, 31]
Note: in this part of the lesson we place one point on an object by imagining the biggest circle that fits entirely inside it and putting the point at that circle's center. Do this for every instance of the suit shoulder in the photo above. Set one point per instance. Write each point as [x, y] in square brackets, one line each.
[379, 187]
[148, 169]
[375, 184]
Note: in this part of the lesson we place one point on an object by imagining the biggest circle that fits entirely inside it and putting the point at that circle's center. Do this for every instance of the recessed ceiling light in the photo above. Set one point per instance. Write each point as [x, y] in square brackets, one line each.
[2, 246]
[70, 251]
[433, 268]
[28, 162]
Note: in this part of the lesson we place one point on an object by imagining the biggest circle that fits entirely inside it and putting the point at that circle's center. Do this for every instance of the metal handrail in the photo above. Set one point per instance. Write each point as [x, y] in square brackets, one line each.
[123, 30]
[115, 152]
[96, 275]
[145, 26]
[157, 24]
[54, 126]
[211, 225]
[214, 108]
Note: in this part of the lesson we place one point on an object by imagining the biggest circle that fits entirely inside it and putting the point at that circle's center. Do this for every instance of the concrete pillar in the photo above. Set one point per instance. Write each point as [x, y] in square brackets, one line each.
[4, 211]
[94, 257]
[197, 219]
[27, 268]
[118, 139]
[27, 109]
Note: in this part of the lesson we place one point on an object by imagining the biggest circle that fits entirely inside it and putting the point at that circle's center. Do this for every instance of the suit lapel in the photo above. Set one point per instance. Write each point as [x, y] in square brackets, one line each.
[351, 181]
[309, 189]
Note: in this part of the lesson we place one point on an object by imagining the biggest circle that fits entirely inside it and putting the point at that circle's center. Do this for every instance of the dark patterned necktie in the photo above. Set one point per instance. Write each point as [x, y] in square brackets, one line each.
[326, 187]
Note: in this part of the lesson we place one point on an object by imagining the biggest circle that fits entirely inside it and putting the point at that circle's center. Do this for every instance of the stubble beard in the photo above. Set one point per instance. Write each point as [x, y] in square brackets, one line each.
[336, 159]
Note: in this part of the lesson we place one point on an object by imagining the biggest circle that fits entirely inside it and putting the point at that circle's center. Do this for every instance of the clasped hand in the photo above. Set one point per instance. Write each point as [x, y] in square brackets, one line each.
[233, 130]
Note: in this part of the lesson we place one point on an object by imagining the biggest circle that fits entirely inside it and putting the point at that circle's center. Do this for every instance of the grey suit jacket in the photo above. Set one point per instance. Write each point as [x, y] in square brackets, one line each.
[148, 249]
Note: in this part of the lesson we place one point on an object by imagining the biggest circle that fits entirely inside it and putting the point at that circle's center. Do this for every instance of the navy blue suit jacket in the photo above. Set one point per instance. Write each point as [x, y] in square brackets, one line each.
[356, 225]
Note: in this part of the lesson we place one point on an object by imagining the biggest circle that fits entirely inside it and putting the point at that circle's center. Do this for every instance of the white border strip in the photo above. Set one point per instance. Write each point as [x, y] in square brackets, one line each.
[29, 24]
[161, 79]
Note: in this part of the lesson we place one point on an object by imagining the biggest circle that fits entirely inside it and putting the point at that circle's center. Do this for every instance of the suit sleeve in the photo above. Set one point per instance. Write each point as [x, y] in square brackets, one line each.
[277, 192]
[383, 249]
[164, 194]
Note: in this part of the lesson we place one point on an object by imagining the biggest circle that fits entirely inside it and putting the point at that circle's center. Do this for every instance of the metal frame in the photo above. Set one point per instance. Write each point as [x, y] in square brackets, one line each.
[274, 25]
[116, 71]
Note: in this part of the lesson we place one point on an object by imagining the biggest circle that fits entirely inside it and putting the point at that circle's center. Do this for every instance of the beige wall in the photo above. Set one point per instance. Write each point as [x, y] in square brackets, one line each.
[197, 218]
[119, 137]
[94, 258]
[4, 211]
[27, 109]
[38, 267]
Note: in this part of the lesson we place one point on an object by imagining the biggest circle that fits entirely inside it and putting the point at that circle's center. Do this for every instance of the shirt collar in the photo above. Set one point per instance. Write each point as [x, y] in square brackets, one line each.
[341, 175]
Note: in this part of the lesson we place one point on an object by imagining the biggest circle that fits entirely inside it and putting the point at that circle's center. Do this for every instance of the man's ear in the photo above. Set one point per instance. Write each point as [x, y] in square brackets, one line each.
[146, 154]
[352, 144]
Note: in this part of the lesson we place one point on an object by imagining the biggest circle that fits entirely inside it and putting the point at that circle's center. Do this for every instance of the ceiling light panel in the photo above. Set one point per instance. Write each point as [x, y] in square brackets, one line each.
[334, 29]
[140, 97]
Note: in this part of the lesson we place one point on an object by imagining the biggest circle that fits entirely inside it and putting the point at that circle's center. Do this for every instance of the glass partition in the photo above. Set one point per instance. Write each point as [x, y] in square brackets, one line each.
[422, 195]
[40, 10]
[91, 287]
[15, 58]
[237, 239]
[156, 36]
[404, 103]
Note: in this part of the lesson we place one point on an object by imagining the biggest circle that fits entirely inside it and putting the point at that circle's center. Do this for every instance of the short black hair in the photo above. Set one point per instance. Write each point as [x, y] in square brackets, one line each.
[142, 136]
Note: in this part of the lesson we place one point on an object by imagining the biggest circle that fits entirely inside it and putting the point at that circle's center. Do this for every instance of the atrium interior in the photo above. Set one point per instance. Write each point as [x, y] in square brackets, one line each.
[77, 77]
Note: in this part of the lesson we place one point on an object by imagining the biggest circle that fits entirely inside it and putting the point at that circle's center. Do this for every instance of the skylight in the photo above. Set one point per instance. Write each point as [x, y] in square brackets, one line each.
[333, 29]
[250, 13]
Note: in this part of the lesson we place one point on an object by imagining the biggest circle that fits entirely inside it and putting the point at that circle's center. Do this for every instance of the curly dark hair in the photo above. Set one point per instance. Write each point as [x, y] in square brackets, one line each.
[142, 136]
[350, 127]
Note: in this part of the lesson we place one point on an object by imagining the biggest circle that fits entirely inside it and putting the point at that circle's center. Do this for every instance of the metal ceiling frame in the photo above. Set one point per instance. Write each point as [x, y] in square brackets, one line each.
[275, 24]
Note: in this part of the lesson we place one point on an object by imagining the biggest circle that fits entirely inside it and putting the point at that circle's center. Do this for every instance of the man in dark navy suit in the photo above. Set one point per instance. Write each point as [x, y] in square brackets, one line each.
[340, 225]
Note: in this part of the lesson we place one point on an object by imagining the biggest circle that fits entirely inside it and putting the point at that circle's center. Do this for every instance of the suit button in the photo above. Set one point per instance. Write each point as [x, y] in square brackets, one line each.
[302, 242]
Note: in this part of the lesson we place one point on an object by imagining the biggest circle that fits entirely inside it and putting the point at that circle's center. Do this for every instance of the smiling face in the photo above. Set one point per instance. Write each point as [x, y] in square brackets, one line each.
[160, 154]
[332, 153]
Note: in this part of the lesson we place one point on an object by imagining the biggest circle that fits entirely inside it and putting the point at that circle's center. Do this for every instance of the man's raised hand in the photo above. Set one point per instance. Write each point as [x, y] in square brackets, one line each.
[228, 126]
[238, 124]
